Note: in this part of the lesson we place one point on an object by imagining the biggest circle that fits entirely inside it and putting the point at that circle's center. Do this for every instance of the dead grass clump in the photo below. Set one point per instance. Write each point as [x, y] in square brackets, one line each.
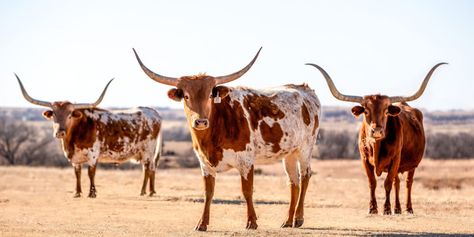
[446, 183]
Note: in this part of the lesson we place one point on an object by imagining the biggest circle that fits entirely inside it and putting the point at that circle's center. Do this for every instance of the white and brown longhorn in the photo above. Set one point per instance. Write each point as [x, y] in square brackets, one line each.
[391, 139]
[91, 135]
[235, 127]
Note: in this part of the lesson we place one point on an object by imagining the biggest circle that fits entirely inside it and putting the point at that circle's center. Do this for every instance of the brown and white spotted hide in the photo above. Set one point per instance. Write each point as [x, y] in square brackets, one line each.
[95, 135]
[253, 126]
[237, 127]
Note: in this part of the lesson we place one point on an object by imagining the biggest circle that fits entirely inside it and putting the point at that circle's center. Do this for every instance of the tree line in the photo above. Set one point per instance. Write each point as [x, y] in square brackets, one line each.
[24, 143]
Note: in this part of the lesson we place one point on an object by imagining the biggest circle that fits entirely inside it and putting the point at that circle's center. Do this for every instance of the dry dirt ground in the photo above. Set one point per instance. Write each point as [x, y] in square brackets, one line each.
[38, 202]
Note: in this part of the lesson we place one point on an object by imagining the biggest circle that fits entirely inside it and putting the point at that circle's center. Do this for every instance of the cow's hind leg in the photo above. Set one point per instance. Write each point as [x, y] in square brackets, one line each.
[305, 175]
[409, 185]
[291, 169]
[151, 177]
[392, 172]
[77, 172]
[91, 172]
[209, 183]
[145, 179]
[247, 190]
[396, 182]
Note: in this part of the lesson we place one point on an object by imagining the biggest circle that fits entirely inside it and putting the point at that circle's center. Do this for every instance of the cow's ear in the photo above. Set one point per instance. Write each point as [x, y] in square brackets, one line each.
[48, 114]
[357, 110]
[220, 91]
[175, 94]
[77, 114]
[393, 110]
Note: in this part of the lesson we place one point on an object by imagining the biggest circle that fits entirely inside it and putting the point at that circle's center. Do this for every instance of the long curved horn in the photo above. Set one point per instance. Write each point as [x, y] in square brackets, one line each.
[171, 81]
[332, 87]
[28, 97]
[236, 75]
[93, 105]
[420, 91]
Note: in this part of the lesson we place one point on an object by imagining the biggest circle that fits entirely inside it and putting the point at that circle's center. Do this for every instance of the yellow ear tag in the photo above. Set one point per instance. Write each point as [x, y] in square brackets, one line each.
[217, 99]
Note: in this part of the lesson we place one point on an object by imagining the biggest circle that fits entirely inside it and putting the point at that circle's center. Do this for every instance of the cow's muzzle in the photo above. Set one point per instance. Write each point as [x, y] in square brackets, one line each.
[60, 133]
[201, 124]
[377, 133]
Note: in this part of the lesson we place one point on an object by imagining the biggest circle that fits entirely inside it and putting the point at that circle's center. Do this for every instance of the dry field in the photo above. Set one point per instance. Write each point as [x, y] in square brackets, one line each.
[38, 202]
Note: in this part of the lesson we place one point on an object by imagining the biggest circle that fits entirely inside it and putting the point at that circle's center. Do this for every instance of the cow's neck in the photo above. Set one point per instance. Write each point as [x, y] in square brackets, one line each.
[381, 151]
[228, 129]
[81, 136]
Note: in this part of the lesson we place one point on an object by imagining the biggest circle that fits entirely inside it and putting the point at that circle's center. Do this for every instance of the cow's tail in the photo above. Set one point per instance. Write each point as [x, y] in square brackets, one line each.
[159, 148]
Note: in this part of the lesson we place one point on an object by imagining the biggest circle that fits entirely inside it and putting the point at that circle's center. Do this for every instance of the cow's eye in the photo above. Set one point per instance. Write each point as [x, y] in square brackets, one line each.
[210, 96]
[186, 97]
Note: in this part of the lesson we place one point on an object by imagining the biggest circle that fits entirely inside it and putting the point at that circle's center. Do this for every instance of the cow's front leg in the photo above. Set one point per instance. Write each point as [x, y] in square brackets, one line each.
[91, 172]
[247, 190]
[369, 170]
[209, 183]
[77, 172]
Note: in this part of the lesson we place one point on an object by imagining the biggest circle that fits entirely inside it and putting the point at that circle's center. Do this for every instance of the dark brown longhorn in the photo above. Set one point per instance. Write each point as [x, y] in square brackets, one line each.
[391, 139]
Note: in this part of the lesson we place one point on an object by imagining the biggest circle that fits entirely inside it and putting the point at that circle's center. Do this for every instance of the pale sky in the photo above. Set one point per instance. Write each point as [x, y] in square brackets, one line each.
[68, 50]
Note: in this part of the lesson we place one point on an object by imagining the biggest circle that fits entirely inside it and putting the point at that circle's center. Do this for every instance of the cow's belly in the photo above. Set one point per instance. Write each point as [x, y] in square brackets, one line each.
[118, 159]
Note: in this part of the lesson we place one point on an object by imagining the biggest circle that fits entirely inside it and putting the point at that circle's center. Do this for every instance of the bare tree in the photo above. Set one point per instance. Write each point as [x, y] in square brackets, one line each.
[12, 136]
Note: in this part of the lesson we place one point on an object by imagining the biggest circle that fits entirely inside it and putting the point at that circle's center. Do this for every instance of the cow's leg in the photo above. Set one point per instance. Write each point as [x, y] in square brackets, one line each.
[151, 176]
[145, 179]
[209, 183]
[305, 175]
[409, 185]
[392, 172]
[91, 172]
[291, 169]
[77, 172]
[247, 190]
[398, 209]
[369, 170]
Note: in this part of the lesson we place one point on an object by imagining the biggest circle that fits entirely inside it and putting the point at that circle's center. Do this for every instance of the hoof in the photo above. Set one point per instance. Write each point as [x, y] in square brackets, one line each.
[77, 195]
[201, 227]
[410, 211]
[251, 225]
[286, 224]
[387, 211]
[373, 211]
[92, 195]
[298, 223]
[142, 193]
[397, 211]
[152, 194]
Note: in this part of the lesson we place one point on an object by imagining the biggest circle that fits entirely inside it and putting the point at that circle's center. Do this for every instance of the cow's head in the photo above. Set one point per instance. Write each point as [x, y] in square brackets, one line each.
[199, 92]
[375, 108]
[65, 115]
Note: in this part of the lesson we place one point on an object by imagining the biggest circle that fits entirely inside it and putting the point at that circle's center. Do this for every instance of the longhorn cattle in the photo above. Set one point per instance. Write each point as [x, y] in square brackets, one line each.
[90, 135]
[391, 139]
[235, 127]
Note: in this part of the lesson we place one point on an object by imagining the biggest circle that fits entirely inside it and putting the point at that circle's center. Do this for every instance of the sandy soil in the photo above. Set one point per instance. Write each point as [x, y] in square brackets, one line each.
[38, 202]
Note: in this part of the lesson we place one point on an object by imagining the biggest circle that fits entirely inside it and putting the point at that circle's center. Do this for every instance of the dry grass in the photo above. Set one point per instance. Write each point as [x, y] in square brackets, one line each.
[38, 202]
